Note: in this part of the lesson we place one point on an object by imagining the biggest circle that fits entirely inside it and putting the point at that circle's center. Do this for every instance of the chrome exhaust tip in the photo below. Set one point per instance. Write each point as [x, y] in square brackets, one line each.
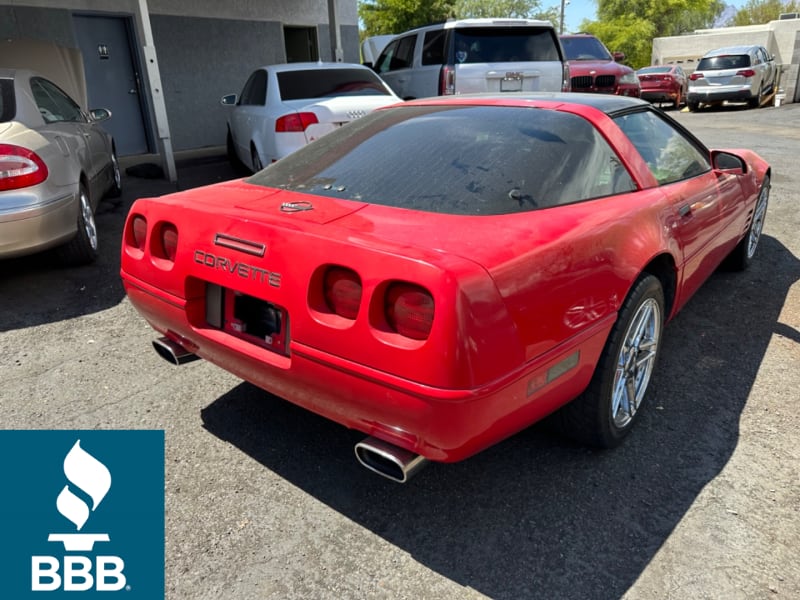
[173, 352]
[388, 460]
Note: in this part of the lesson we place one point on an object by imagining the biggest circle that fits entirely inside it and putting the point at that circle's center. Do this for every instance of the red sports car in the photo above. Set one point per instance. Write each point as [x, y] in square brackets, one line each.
[443, 273]
[663, 83]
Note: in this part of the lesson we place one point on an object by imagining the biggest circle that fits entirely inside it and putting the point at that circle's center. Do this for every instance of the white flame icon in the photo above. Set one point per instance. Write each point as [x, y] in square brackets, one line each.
[87, 474]
[92, 477]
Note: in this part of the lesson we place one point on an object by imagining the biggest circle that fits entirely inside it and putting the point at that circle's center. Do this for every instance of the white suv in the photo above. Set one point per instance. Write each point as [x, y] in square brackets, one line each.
[475, 55]
[736, 73]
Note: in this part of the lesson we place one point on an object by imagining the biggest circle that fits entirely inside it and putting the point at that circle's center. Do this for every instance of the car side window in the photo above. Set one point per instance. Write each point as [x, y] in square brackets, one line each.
[398, 55]
[255, 90]
[53, 104]
[670, 155]
[433, 47]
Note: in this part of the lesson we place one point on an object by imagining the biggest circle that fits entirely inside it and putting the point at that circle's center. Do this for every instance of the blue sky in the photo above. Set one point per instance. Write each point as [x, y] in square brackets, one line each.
[578, 10]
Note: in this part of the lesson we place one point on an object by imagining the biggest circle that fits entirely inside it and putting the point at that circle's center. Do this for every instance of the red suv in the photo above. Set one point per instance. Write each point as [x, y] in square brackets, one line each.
[594, 69]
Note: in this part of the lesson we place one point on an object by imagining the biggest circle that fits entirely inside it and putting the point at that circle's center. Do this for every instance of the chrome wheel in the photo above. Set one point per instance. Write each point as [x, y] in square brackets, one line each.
[635, 364]
[117, 174]
[87, 218]
[757, 225]
[607, 410]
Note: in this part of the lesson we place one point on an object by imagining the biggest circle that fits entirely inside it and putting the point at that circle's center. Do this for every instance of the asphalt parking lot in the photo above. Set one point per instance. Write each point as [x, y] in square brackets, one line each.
[265, 500]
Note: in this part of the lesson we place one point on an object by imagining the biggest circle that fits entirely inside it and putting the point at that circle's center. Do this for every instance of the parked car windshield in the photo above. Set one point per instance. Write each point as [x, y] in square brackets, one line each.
[8, 106]
[716, 63]
[473, 160]
[321, 83]
[505, 44]
[584, 48]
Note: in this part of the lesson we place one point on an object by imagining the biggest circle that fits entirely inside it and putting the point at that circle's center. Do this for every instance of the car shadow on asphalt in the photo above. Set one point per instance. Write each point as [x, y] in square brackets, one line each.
[36, 289]
[538, 516]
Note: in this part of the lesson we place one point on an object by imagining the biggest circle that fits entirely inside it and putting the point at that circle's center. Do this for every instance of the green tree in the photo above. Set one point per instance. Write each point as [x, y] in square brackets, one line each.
[522, 9]
[756, 12]
[629, 26]
[395, 16]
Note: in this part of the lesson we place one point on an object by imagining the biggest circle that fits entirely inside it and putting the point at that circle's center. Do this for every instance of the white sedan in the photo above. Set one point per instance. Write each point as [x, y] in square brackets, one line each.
[284, 107]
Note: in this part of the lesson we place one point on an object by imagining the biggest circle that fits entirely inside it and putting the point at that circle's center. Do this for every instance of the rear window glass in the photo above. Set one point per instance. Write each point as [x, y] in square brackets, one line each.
[716, 63]
[505, 44]
[475, 160]
[647, 70]
[8, 108]
[319, 83]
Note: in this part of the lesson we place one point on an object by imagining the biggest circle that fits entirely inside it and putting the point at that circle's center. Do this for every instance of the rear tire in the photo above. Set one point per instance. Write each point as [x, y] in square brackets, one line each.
[255, 159]
[741, 256]
[693, 106]
[116, 185]
[605, 413]
[238, 166]
[755, 101]
[82, 249]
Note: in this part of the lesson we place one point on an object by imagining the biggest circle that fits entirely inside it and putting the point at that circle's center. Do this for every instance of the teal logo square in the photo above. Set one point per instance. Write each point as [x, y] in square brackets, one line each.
[82, 513]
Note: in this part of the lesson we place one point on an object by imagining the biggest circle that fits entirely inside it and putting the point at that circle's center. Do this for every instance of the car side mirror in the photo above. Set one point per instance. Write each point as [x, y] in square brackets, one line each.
[368, 65]
[229, 100]
[618, 56]
[99, 114]
[727, 162]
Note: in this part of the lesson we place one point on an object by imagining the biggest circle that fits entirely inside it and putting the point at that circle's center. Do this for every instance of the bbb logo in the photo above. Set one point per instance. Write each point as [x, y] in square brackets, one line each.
[91, 477]
[82, 514]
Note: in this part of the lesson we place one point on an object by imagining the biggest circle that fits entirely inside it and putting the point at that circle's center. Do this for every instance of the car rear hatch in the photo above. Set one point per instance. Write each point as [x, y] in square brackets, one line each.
[259, 269]
[654, 80]
[506, 59]
[722, 71]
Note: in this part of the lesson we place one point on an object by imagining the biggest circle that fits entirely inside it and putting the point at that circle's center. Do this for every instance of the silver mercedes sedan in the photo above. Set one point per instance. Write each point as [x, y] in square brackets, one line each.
[56, 163]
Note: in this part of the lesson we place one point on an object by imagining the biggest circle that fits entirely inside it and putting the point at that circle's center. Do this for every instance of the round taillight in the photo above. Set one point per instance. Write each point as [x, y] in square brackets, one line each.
[139, 231]
[169, 241]
[342, 291]
[409, 310]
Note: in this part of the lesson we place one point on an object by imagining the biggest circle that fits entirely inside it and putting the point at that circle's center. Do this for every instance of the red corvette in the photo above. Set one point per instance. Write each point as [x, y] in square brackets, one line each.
[443, 273]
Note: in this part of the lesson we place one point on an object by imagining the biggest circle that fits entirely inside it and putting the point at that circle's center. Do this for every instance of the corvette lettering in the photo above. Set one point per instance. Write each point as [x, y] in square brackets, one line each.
[240, 269]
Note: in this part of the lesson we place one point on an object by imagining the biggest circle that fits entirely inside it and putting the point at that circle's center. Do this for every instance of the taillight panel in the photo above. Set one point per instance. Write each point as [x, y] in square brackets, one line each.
[447, 80]
[295, 122]
[163, 244]
[399, 312]
[408, 310]
[342, 291]
[160, 240]
[20, 168]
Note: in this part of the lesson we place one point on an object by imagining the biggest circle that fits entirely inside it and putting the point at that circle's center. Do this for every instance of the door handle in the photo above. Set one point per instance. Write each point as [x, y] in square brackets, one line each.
[132, 91]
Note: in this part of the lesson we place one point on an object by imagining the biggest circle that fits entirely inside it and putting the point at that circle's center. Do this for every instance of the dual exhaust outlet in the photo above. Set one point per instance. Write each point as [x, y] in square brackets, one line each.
[383, 458]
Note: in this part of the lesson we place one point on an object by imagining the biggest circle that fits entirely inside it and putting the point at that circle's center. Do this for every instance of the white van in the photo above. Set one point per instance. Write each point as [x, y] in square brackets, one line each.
[475, 55]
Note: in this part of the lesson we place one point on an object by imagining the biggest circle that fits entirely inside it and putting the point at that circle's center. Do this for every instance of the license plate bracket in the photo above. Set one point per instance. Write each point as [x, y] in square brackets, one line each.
[512, 82]
[257, 321]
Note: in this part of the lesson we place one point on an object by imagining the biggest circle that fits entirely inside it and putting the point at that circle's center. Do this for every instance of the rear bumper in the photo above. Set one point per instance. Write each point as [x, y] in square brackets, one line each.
[659, 95]
[720, 94]
[440, 424]
[37, 224]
